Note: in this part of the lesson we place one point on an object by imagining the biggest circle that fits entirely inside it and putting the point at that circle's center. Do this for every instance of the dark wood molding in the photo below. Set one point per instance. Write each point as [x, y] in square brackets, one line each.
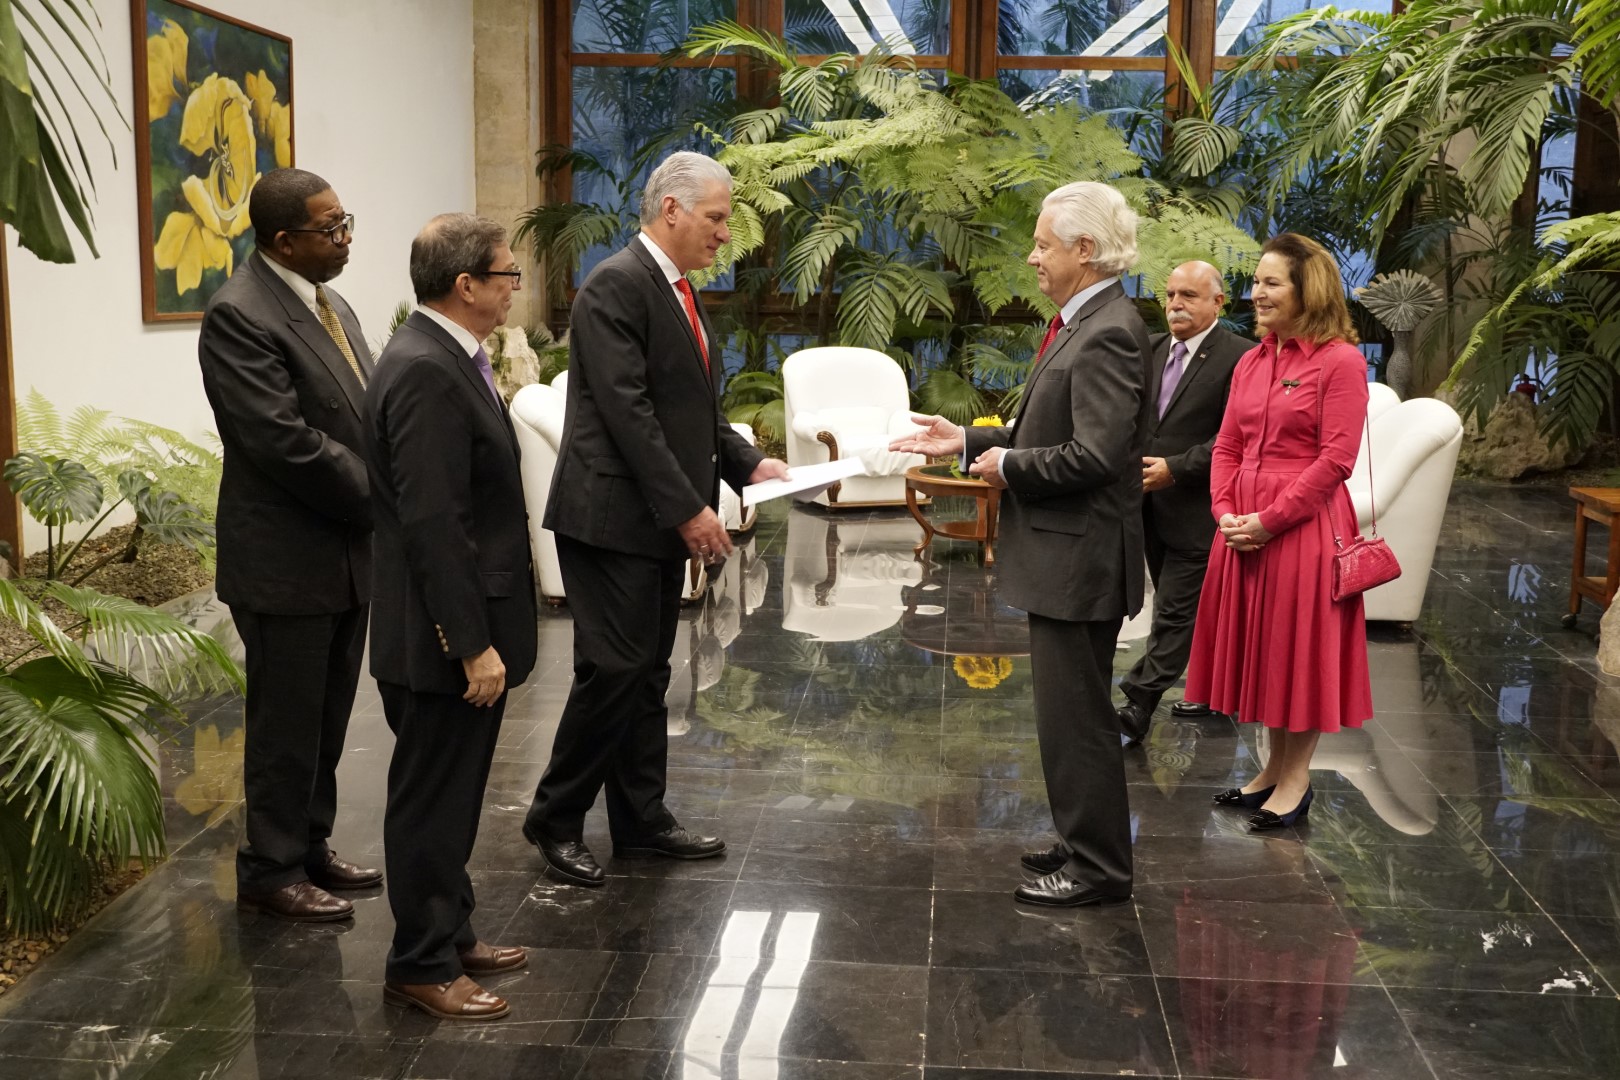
[10, 506]
[1597, 160]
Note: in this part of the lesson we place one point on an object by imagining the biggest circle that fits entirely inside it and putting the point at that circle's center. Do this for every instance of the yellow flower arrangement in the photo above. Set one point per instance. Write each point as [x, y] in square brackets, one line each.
[165, 69]
[982, 672]
[993, 420]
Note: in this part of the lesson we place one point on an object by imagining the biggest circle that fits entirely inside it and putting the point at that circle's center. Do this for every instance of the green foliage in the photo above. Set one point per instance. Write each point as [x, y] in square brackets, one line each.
[78, 791]
[898, 211]
[1566, 305]
[69, 465]
[1429, 125]
[45, 64]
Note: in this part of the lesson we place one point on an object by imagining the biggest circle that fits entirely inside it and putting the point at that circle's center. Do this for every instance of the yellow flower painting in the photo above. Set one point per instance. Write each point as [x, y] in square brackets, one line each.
[218, 116]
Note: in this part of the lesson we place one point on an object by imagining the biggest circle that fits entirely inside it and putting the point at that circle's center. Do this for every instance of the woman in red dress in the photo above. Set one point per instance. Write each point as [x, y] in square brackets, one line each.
[1271, 646]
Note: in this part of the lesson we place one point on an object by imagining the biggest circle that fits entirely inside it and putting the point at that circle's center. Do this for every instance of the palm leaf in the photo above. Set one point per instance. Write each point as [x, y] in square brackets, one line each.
[147, 643]
[41, 179]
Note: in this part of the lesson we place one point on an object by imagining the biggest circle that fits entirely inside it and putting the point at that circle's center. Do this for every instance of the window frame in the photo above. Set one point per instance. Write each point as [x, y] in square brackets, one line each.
[1190, 24]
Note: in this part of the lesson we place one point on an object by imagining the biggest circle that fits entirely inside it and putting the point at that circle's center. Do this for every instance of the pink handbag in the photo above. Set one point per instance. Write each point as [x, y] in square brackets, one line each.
[1364, 564]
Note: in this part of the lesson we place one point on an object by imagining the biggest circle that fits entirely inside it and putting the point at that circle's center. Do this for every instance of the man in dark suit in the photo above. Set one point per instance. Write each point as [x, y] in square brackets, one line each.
[634, 496]
[1070, 552]
[453, 614]
[1192, 371]
[285, 366]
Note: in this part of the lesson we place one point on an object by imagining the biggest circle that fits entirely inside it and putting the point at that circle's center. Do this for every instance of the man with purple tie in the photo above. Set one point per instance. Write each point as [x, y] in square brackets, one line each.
[1192, 370]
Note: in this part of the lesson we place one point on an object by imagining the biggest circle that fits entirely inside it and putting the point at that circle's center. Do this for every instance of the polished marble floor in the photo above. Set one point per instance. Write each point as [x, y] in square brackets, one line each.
[857, 726]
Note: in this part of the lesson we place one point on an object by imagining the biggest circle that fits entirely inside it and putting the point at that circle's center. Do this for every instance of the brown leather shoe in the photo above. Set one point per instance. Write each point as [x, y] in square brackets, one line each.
[299, 902]
[337, 874]
[486, 959]
[459, 1000]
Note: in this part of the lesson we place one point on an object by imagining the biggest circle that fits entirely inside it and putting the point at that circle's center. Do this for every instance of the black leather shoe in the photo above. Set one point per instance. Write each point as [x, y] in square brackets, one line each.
[1044, 862]
[1058, 889]
[1190, 709]
[570, 860]
[673, 843]
[1133, 722]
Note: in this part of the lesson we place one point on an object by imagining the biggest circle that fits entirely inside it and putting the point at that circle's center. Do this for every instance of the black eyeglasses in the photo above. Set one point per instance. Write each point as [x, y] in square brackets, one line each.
[341, 233]
[515, 275]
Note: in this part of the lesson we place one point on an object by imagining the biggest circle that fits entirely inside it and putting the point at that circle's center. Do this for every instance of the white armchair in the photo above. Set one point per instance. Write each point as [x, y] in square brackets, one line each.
[537, 418]
[1414, 448]
[846, 402]
[736, 517]
[845, 580]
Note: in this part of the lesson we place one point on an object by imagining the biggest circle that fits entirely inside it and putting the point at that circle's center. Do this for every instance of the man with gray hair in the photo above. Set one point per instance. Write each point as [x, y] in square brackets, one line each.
[453, 610]
[1070, 552]
[633, 498]
[1191, 373]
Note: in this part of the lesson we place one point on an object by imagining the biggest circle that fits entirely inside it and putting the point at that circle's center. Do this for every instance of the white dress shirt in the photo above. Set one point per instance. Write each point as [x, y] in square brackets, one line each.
[298, 283]
[463, 336]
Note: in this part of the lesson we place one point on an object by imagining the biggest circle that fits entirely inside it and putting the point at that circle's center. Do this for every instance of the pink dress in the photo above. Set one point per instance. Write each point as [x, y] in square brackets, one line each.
[1270, 645]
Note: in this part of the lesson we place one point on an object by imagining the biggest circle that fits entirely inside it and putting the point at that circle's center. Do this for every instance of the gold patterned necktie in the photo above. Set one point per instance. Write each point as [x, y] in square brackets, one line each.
[329, 319]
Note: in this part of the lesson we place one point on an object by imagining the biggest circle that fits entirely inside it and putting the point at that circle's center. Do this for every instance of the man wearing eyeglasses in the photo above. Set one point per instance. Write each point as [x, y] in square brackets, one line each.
[285, 366]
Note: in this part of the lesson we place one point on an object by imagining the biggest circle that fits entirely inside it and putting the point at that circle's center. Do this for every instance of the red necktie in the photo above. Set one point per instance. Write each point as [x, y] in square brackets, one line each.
[683, 287]
[1051, 332]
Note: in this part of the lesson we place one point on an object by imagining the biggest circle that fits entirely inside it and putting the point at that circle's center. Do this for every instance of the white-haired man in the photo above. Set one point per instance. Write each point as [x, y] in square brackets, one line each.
[644, 448]
[1070, 552]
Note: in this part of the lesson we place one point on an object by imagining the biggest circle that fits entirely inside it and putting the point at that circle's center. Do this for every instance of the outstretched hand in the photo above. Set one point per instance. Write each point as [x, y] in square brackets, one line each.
[938, 438]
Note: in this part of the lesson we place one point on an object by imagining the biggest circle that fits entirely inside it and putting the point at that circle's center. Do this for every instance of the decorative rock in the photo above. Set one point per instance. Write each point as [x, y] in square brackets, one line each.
[1510, 446]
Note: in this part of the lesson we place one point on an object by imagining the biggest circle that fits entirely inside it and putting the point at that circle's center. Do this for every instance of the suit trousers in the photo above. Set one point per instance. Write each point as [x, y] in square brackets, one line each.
[1081, 756]
[614, 728]
[1178, 582]
[302, 671]
[443, 747]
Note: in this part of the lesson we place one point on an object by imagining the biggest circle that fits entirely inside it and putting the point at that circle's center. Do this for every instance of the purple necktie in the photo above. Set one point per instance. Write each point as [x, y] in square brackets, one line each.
[481, 358]
[1172, 375]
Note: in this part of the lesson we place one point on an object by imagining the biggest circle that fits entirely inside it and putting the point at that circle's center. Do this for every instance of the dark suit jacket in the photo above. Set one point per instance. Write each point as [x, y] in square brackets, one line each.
[1070, 542]
[453, 572]
[644, 443]
[1185, 436]
[294, 520]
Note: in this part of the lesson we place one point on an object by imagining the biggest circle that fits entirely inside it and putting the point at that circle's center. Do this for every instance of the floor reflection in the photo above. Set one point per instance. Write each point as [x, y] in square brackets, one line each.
[857, 725]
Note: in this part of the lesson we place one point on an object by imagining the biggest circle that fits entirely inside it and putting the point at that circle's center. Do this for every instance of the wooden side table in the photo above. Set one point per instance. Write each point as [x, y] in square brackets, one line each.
[1603, 506]
[935, 481]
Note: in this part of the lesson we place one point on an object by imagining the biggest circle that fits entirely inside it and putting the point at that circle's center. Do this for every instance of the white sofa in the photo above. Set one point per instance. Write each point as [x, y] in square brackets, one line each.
[844, 580]
[1414, 446]
[846, 402]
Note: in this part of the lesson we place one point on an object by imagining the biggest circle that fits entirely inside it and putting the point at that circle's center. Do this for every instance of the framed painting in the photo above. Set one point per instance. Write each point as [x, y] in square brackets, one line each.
[213, 112]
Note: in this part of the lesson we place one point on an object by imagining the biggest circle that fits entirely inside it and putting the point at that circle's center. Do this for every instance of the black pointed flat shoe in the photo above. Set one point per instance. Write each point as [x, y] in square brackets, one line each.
[1251, 800]
[1265, 820]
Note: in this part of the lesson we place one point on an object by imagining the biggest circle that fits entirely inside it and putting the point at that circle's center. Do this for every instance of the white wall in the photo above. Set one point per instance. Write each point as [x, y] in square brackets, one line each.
[383, 93]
